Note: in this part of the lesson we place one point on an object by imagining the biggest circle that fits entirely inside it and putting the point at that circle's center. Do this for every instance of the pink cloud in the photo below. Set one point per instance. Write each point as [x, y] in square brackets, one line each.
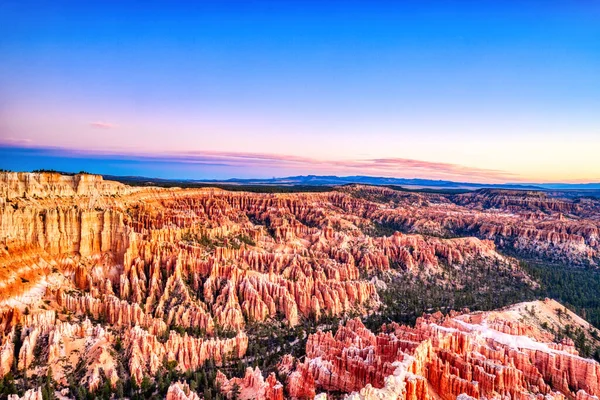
[389, 167]
[285, 165]
[429, 167]
[102, 125]
[16, 141]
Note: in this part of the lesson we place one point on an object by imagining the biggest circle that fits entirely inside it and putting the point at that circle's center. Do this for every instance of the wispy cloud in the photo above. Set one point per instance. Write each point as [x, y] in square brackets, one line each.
[391, 167]
[102, 125]
[427, 167]
[242, 163]
[16, 141]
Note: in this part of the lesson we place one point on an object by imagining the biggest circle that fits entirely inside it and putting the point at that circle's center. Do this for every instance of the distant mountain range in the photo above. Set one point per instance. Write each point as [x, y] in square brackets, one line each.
[332, 180]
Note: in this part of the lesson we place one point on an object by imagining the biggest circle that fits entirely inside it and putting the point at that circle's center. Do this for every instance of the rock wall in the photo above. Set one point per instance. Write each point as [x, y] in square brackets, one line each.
[47, 184]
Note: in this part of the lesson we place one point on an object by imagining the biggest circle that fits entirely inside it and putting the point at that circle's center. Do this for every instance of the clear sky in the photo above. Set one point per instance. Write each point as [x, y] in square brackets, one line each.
[488, 91]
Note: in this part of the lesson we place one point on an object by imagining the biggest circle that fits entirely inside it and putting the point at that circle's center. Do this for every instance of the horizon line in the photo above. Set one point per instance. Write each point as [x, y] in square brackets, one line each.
[187, 162]
[225, 180]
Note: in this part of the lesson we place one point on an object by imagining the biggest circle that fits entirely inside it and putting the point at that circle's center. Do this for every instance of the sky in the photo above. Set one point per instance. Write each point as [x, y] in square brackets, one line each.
[479, 91]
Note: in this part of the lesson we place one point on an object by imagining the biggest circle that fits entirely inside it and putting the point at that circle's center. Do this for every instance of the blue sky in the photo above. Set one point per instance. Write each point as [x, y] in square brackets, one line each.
[493, 90]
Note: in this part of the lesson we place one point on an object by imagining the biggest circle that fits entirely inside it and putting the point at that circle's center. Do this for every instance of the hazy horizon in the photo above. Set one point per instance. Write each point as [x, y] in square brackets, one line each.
[488, 92]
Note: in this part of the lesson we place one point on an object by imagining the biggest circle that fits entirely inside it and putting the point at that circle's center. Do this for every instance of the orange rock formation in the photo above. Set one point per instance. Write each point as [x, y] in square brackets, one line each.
[252, 386]
[481, 355]
[89, 266]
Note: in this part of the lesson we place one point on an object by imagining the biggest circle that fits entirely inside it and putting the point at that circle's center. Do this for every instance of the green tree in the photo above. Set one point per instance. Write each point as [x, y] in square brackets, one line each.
[235, 391]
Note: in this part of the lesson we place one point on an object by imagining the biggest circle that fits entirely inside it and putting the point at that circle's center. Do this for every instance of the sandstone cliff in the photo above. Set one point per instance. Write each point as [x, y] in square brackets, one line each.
[49, 184]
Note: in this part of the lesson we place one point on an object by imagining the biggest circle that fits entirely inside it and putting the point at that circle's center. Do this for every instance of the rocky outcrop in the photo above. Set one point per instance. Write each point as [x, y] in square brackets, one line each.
[482, 355]
[50, 184]
[147, 354]
[31, 394]
[181, 391]
[251, 387]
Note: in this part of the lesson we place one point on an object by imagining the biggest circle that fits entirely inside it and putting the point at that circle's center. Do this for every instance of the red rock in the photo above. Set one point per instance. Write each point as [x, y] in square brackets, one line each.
[252, 386]
[482, 355]
[181, 391]
[90, 265]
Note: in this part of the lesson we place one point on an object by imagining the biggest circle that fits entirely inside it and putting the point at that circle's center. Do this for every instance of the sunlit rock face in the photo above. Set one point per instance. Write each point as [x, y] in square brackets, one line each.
[252, 386]
[181, 391]
[508, 353]
[42, 185]
[101, 283]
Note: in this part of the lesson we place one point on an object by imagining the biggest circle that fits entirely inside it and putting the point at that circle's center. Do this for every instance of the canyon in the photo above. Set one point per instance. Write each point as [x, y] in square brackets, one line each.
[107, 289]
[507, 353]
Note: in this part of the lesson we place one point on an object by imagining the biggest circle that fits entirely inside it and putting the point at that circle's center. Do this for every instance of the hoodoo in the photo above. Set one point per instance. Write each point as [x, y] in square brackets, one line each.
[192, 293]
